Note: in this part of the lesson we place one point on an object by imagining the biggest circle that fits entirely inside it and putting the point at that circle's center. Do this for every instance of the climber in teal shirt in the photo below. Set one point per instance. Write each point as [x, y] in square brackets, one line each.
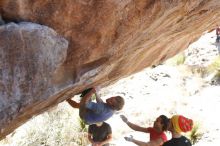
[93, 112]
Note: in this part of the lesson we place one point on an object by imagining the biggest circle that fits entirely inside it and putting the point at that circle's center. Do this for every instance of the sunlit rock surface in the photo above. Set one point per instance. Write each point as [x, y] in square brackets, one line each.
[108, 40]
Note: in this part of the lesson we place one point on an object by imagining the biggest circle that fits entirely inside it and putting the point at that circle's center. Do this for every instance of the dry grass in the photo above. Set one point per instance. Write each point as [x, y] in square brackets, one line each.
[57, 127]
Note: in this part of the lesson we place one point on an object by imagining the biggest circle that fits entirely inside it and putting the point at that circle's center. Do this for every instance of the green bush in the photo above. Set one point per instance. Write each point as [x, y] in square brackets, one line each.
[195, 134]
[83, 126]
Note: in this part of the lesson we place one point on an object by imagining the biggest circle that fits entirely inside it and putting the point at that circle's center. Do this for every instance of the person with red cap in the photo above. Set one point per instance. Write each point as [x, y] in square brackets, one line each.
[177, 125]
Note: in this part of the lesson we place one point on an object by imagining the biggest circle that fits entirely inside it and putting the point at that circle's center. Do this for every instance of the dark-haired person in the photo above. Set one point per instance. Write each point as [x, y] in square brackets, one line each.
[177, 125]
[157, 135]
[93, 112]
[100, 134]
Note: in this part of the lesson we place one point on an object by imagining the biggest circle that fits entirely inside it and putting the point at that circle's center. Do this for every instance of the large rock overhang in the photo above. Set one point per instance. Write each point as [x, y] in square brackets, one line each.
[105, 40]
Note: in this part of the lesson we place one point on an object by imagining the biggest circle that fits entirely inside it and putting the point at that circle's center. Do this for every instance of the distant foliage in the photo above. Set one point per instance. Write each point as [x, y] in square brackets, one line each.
[215, 66]
[177, 60]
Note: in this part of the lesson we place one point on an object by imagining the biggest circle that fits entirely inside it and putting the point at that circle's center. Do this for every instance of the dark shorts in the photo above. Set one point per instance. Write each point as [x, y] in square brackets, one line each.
[82, 112]
[218, 38]
[82, 108]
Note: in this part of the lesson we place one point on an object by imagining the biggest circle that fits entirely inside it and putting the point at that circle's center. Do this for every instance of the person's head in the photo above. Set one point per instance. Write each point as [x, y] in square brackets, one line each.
[179, 123]
[116, 102]
[161, 123]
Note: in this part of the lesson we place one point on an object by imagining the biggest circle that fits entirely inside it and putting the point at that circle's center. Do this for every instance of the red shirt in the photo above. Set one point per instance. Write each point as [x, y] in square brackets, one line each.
[155, 135]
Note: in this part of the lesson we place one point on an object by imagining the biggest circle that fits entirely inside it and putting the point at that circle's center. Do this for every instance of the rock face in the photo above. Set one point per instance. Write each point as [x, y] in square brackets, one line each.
[30, 54]
[108, 40]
